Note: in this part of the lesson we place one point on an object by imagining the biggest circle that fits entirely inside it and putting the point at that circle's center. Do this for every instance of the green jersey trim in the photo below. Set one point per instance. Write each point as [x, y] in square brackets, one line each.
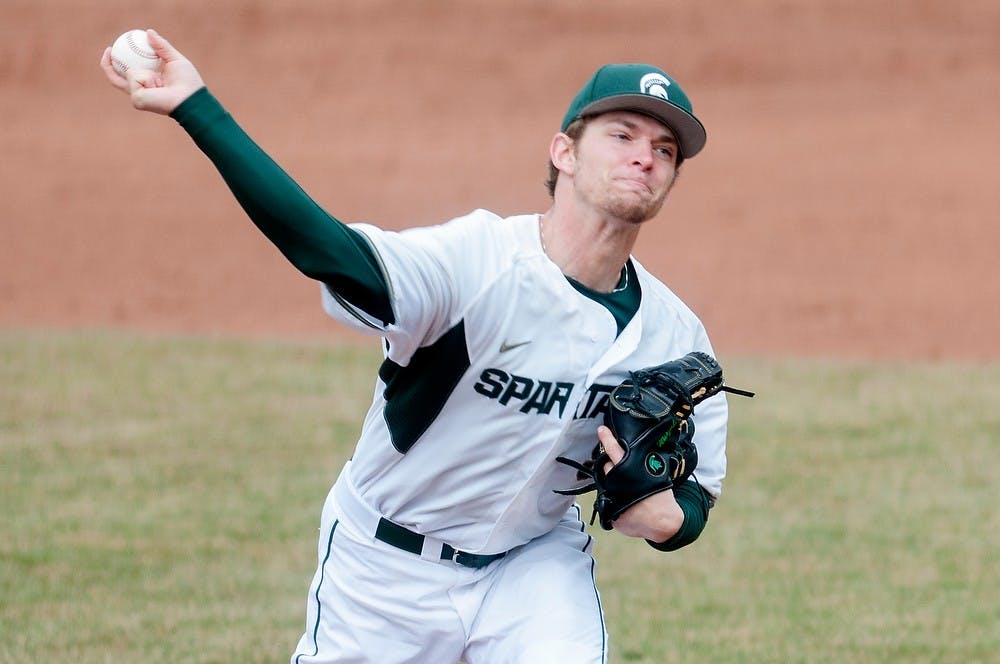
[622, 302]
[415, 394]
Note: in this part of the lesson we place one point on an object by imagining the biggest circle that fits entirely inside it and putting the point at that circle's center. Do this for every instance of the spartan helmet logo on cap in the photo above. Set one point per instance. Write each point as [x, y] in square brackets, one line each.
[655, 84]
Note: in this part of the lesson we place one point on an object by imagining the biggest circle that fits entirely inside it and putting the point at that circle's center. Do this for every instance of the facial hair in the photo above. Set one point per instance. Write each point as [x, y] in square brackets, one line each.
[632, 209]
[628, 207]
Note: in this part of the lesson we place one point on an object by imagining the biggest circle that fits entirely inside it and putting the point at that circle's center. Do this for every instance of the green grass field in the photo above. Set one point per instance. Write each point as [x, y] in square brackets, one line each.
[160, 498]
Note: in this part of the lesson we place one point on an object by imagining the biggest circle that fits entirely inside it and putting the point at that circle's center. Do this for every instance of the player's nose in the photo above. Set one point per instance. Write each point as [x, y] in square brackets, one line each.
[642, 153]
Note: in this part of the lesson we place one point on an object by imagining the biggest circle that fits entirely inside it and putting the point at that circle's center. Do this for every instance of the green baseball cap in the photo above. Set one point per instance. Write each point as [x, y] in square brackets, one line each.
[643, 89]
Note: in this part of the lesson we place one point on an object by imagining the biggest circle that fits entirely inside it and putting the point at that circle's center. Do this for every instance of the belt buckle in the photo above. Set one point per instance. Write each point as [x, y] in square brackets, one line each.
[448, 552]
[473, 560]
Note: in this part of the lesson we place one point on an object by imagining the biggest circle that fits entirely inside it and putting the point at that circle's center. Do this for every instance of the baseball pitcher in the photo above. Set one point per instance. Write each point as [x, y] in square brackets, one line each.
[527, 360]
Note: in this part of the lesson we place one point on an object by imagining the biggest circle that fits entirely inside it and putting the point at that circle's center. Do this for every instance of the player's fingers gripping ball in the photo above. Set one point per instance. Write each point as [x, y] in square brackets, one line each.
[132, 51]
[649, 414]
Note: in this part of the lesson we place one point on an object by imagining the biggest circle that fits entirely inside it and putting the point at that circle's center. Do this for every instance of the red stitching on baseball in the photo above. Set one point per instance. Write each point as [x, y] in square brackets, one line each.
[138, 50]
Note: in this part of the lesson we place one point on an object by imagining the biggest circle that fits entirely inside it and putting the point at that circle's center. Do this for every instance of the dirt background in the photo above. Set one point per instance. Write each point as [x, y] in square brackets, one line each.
[847, 203]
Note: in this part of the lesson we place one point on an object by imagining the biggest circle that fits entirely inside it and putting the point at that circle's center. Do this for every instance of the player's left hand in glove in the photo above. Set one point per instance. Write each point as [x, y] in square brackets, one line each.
[649, 414]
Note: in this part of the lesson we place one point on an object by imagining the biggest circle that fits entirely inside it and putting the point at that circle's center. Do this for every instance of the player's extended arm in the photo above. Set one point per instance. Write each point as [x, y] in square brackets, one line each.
[316, 243]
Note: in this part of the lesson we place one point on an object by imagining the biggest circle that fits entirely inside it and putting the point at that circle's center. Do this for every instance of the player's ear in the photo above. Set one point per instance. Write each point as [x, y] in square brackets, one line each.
[562, 154]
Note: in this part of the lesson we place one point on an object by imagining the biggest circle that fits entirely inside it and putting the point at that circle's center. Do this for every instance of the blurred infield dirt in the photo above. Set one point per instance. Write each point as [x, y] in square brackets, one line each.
[846, 204]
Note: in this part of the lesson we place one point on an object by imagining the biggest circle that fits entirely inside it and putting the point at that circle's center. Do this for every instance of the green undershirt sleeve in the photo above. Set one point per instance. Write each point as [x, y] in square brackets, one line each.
[694, 503]
[317, 244]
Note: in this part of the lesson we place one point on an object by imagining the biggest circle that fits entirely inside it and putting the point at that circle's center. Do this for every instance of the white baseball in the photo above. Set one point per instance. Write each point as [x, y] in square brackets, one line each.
[132, 51]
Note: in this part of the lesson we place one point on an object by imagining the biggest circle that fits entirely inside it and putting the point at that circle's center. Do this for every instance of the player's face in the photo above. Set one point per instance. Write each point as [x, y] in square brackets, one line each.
[624, 165]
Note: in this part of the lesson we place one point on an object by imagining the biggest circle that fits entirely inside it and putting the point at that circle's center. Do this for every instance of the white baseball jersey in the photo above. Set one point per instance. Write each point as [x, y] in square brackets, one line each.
[495, 365]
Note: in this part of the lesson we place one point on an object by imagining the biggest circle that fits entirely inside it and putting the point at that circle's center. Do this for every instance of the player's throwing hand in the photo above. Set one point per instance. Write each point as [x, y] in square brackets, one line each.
[156, 91]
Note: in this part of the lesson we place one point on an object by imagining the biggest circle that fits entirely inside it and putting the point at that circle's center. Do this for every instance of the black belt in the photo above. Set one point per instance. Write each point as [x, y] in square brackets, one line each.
[407, 540]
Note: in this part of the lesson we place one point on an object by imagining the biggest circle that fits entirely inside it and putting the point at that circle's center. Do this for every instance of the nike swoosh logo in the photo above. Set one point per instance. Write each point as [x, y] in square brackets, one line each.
[504, 347]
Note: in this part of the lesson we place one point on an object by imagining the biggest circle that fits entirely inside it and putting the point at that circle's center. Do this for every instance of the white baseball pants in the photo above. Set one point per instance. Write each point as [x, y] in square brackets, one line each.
[371, 602]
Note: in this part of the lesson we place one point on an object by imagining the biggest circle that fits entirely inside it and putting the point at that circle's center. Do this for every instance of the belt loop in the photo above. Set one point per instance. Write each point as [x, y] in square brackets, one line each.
[433, 549]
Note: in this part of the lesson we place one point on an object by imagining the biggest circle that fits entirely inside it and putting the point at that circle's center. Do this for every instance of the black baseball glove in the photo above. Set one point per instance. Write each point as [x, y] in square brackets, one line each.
[650, 415]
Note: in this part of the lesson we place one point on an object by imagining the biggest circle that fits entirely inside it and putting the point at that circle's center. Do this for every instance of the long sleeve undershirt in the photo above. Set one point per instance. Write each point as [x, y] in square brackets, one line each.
[317, 244]
[695, 504]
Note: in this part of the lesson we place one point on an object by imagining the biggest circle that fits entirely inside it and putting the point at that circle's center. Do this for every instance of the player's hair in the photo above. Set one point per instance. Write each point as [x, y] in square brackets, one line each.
[575, 131]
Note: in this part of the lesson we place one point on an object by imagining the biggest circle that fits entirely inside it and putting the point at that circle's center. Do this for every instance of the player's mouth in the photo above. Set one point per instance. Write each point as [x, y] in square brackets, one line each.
[635, 184]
